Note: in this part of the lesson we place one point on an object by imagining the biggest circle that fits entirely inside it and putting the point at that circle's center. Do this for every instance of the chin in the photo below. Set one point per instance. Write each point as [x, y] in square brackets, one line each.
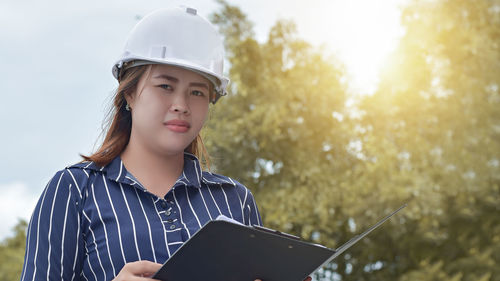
[174, 144]
[172, 149]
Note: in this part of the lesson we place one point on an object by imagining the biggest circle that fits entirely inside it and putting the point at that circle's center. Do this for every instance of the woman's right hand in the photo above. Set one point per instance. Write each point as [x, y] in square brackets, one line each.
[138, 271]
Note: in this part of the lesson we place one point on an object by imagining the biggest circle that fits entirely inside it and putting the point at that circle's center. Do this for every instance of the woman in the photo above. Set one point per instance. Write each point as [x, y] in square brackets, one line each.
[127, 208]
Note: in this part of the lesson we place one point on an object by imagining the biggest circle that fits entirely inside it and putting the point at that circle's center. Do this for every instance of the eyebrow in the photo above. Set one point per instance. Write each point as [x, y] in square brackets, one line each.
[173, 79]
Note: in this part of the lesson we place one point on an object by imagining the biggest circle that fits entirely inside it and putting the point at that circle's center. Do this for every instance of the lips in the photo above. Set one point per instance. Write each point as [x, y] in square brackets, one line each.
[179, 126]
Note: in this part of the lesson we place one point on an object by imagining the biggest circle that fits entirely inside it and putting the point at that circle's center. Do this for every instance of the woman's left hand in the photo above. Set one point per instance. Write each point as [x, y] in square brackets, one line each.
[307, 279]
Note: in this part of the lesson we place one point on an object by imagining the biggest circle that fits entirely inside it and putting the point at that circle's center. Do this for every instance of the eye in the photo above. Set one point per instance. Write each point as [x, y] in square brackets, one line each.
[198, 93]
[165, 86]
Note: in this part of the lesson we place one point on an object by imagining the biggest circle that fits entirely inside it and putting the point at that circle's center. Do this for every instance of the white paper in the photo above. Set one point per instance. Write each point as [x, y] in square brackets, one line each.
[224, 218]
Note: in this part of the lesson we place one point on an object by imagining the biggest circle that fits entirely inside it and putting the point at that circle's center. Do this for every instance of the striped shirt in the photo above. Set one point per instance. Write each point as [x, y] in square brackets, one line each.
[91, 220]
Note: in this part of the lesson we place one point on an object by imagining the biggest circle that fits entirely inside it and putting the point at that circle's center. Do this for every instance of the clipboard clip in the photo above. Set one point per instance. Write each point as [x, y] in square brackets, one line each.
[265, 229]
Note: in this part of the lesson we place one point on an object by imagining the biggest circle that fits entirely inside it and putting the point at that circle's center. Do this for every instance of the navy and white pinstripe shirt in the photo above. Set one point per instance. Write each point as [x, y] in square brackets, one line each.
[90, 221]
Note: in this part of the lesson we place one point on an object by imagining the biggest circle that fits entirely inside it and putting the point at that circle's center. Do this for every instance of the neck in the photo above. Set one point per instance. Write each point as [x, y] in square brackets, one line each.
[156, 172]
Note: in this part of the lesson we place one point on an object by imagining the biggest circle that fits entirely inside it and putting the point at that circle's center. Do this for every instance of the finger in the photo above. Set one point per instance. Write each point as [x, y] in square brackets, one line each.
[129, 277]
[137, 278]
[142, 267]
[308, 278]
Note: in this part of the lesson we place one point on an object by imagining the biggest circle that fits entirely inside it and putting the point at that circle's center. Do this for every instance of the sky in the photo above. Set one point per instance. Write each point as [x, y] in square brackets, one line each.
[56, 80]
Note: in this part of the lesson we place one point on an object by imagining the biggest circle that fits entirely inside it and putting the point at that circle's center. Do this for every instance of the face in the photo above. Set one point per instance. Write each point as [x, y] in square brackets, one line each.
[168, 109]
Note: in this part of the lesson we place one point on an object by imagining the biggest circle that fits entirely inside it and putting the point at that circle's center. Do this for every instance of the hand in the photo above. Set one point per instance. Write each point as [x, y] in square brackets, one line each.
[307, 279]
[138, 271]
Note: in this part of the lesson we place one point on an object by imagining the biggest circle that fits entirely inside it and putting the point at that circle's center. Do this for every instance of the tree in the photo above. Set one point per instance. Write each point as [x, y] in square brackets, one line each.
[275, 131]
[12, 253]
[429, 136]
[434, 134]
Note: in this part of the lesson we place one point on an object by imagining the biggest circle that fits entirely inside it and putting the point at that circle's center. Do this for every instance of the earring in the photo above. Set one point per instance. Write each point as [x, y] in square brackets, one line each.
[127, 107]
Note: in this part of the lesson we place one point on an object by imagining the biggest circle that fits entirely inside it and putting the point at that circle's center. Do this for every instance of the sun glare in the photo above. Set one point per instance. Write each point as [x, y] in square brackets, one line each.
[362, 33]
[371, 31]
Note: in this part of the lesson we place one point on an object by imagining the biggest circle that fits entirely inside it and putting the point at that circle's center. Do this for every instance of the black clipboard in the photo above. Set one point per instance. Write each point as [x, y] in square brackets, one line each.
[227, 251]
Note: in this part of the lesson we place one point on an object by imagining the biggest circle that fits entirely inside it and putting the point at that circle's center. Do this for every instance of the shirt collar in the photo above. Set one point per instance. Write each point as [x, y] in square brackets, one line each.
[191, 173]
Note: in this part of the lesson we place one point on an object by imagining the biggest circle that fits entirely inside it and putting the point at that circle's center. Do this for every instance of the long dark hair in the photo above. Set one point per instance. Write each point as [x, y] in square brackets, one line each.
[120, 124]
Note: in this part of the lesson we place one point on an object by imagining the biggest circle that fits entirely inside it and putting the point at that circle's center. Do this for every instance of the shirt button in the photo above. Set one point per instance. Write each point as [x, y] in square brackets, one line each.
[168, 212]
[163, 204]
[172, 226]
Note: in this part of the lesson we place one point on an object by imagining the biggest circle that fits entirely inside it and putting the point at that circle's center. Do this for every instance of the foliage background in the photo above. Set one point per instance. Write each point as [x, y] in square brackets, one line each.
[325, 164]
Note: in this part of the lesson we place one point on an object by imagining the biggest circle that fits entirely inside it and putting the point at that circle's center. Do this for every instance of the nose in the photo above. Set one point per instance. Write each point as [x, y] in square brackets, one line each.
[179, 109]
[180, 104]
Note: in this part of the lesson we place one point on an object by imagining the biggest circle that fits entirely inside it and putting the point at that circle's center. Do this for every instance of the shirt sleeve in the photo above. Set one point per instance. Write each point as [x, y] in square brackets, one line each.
[54, 244]
[251, 211]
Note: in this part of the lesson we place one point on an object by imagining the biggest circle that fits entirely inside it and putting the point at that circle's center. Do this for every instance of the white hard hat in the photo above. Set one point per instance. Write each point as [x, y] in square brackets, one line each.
[179, 37]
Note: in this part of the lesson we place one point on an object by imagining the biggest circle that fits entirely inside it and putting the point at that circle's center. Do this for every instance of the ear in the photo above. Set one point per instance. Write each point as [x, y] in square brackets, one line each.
[129, 98]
